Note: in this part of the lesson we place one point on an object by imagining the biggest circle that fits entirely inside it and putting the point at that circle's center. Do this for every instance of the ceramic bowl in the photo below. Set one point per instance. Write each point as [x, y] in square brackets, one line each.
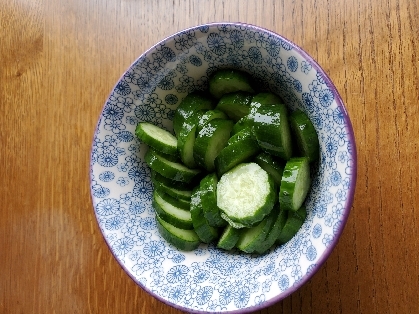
[208, 279]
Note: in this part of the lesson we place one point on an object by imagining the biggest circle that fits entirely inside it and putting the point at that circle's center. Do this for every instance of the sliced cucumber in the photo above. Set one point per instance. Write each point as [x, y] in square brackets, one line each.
[204, 231]
[176, 216]
[295, 183]
[238, 152]
[229, 238]
[210, 141]
[292, 225]
[229, 81]
[252, 238]
[305, 135]
[235, 105]
[174, 201]
[186, 240]
[208, 116]
[208, 188]
[175, 189]
[190, 104]
[271, 165]
[272, 130]
[246, 194]
[169, 169]
[243, 123]
[273, 234]
[245, 133]
[156, 137]
[186, 138]
[265, 98]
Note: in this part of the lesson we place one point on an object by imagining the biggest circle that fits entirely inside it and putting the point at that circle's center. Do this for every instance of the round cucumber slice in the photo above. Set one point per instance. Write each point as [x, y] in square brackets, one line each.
[246, 194]
[176, 216]
[235, 105]
[208, 188]
[273, 234]
[176, 189]
[295, 183]
[229, 238]
[228, 81]
[208, 116]
[271, 165]
[156, 137]
[292, 225]
[186, 240]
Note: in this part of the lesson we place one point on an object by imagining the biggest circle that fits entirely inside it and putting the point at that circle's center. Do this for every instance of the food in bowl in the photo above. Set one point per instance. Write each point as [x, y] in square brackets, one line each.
[255, 184]
[209, 279]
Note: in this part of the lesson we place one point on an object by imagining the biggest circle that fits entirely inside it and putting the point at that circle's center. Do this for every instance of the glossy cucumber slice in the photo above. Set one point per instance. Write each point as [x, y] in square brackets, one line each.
[229, 238]
[238, 152]
[274, 232]
[252, 238]
[228, 81]
[190, 104]
[245, 133]
[272, 130]
[272, 165]
[208, 188]
[243, 123]
[158, 138]
[176, 216]
[305, 135]
[235, 105]
[186, 240]
[292, 225]
[295, 183]
[245, 195]
[186, 138]
[173, 188]
[174, 201]
[204, 231]
[169, 169]
[210, 141]
[208, 116]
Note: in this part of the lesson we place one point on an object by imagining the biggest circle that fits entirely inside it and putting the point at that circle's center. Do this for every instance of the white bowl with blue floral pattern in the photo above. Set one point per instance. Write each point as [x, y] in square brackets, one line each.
[210, 280]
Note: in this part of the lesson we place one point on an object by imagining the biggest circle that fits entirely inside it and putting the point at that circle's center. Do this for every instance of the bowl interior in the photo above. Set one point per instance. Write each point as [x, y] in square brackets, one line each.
[208, 279]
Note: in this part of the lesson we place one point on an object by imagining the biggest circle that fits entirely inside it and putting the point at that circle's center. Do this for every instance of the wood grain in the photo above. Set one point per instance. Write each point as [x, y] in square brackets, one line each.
[59, 61]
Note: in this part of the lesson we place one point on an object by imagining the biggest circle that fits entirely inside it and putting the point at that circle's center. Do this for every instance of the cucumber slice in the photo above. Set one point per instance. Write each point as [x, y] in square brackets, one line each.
[210, 141]
[234, 154]
[246, 194]
[186, 138]
[208, 116]
[305, 134]
[271, 165]
[235, 105]
[243, 123]
[292, 225]
[174, 201]
[265, 98]
[228, 81]
[204, 231]
[190, 104]
[295, 183]
[272, 130]
[157, 138]
[186, 240]
[175, 189]
[229, 238]
[176, 216]
[252, 238]
[245, 133]
[169, 169]
[273, 234]
[208, 188]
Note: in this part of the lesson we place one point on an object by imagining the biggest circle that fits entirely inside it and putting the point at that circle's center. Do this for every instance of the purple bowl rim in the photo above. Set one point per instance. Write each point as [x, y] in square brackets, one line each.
[349, 202]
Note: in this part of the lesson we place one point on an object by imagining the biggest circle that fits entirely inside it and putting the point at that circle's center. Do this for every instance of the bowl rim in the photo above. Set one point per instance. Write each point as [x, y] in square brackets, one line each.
[351, 190]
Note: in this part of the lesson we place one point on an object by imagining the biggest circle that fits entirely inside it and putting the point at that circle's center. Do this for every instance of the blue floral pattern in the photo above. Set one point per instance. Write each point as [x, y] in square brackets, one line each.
[209, 279]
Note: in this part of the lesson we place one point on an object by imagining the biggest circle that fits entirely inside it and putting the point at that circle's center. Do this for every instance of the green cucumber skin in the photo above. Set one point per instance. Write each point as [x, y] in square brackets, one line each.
[291, 227]
[272, 165]
[208, 187]
[210, 132]
[305, 135]
[166, 231]
[169, 218]
[235, 154]
[161, 165]
[265, 98]
[243, 123]
[190, 104]
[229, 238]
[228, 81]
[272, 130]
[273, 234]
[204, 231]
[245, 133]
[175, 201]
[208, 116]
[183, 186]
[184, 195]
[293, 171]
[235, 105]
[153, 142]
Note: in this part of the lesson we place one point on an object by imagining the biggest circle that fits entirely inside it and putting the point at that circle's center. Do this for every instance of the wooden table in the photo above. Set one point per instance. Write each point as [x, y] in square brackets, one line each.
[59, 60]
